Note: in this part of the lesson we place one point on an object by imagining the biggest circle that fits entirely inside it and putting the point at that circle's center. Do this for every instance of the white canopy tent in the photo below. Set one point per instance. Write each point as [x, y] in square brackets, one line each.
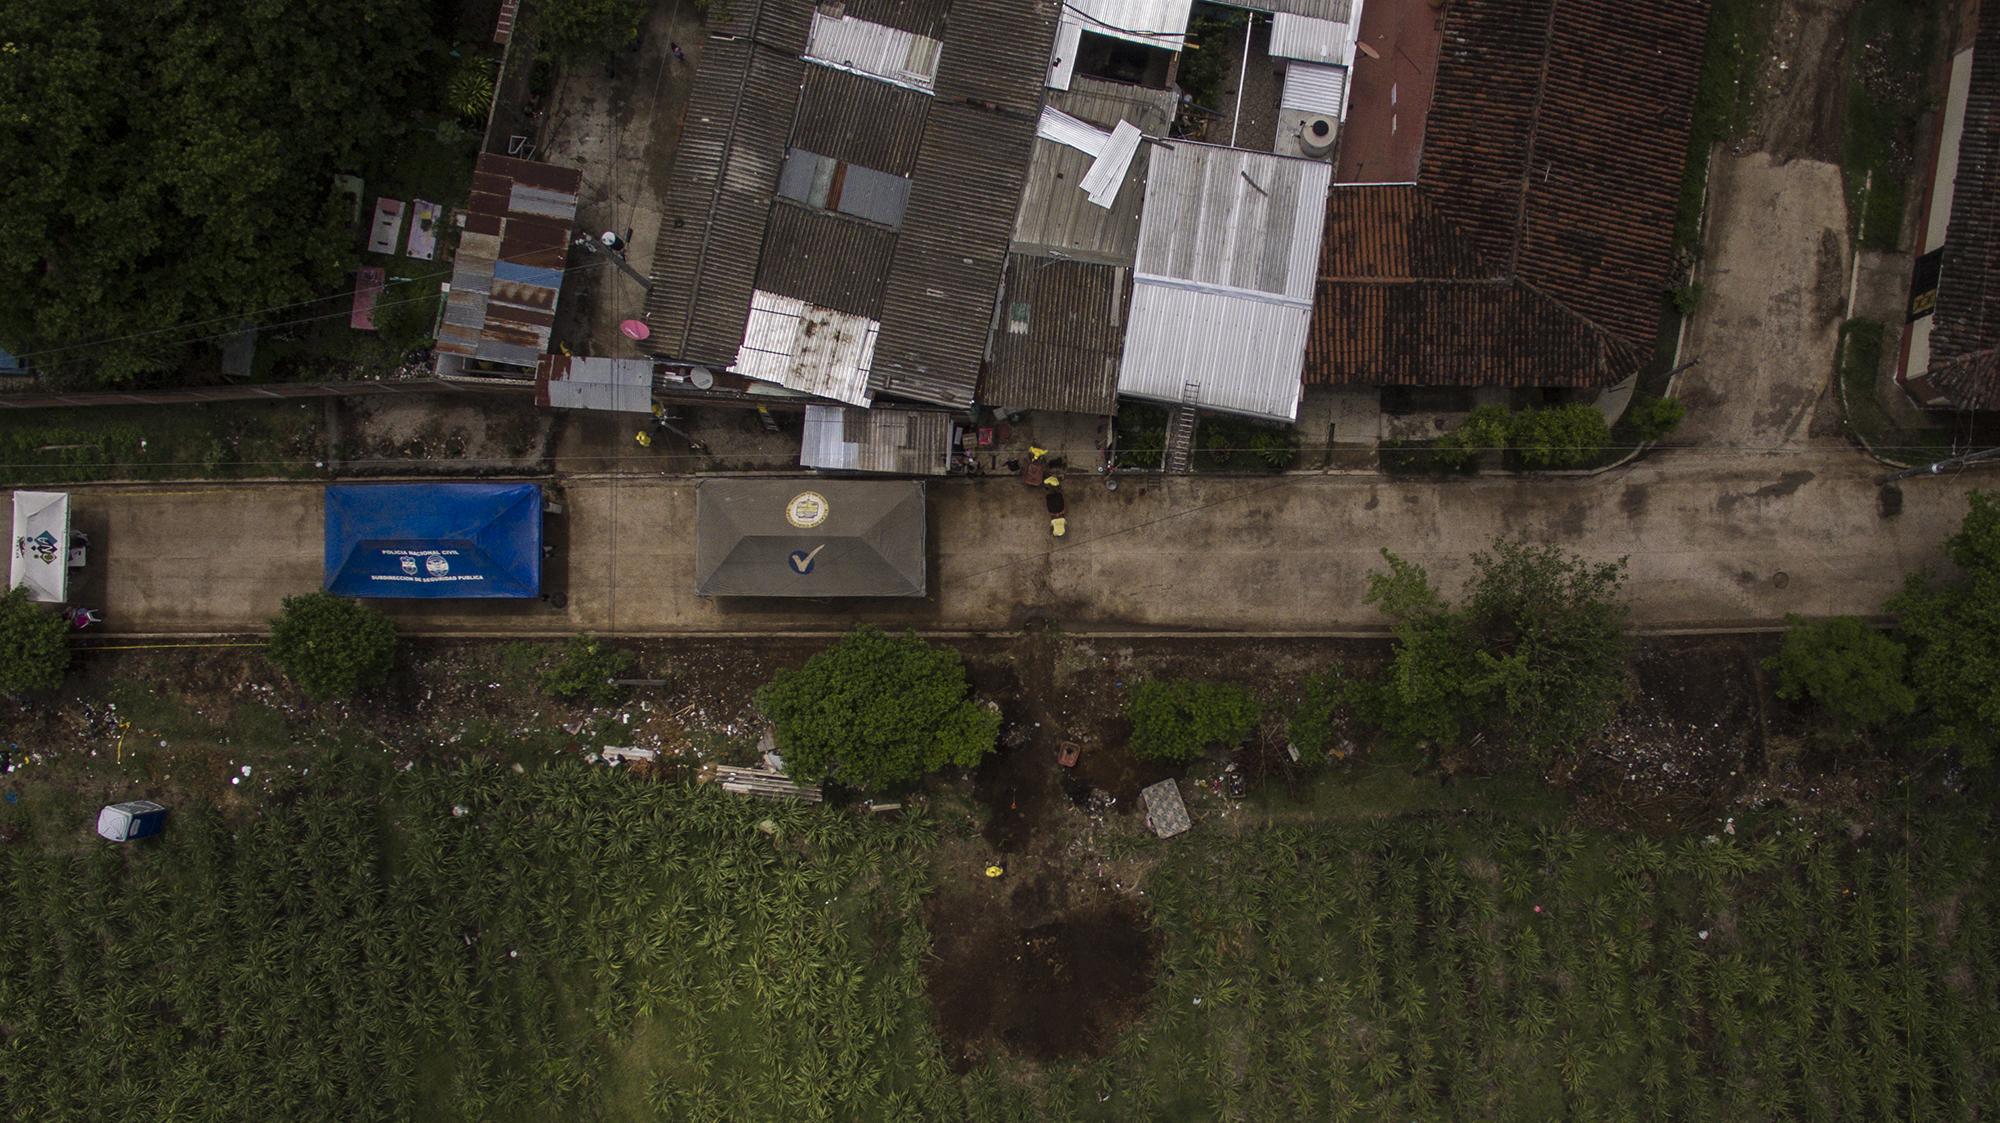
[41, 545]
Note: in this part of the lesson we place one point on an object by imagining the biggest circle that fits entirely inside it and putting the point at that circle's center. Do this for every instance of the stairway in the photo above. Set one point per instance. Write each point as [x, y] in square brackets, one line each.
[1180, 429]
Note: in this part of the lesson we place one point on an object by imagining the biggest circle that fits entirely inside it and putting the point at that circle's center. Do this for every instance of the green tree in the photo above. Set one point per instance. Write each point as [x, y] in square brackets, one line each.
[1434, 677]
[876, 710]
[1563, 437]
[182, 155]
[1655, 417]
[1536, 655]
[1325, 702]
[586, 31]
[34, 645]
[584, 670]
[332, 647]
[1953, 632]
[1178, 719]
[1848, 669]
[1550, 631]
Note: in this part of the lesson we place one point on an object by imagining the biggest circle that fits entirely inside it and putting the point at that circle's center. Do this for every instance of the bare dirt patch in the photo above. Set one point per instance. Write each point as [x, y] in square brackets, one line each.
[482, 432]
[1800, 92]
[1044, 987]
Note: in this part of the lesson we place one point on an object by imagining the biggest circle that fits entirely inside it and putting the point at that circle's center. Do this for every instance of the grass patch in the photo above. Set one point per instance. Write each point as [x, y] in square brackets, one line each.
[1888, 89]
[1724, 101]
[1860, 364]
[223, 440]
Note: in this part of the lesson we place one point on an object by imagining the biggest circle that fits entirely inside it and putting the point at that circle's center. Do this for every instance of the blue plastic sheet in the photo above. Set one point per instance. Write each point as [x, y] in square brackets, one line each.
[434, 540]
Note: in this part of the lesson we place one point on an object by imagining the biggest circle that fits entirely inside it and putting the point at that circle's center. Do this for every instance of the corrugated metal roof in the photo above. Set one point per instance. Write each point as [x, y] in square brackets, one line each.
[719, 195]
[1106, 175]
[1966, 324]
[858, 120]
[1243, 352]
[945, 275]
[1156, 23]
[1062, 56]
[908, 442]
[920, 17]
[592, 382]
[879, 51]
[825, 259]
[827, 184]
[1055, 217]
[1064, 129]
[1333, 11]
[808, 348]
[1057, 342]
[996, 54]
[508, 273]
[1315, 88]
[1313, 40]
[1231, 218]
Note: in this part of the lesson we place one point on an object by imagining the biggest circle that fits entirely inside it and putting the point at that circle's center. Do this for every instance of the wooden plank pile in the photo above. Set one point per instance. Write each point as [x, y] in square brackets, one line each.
[762, 782]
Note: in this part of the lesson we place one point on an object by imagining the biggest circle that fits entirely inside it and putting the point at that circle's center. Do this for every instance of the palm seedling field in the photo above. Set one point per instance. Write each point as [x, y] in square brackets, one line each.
[470, 942]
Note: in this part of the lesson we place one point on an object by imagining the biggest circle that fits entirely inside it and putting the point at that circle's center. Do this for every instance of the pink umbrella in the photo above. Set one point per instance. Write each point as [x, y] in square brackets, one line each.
[635, 329]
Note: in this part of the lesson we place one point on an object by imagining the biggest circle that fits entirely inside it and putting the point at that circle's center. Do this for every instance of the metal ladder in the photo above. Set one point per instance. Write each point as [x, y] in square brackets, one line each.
[1180, 429]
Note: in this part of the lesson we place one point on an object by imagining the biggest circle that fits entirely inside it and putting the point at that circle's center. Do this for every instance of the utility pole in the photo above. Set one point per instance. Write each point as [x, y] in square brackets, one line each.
[586, 242]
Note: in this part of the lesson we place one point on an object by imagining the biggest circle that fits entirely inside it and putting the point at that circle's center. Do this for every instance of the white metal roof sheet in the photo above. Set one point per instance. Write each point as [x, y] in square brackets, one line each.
[1311, 87]
[807, 348]
[1233, 219]
[1107, 172]
[1156, 23]
[1064, 129]
[1245, 353]
[1062, 57]
[1313, 40]
[602, 383]
[904, 441]
[877, 51]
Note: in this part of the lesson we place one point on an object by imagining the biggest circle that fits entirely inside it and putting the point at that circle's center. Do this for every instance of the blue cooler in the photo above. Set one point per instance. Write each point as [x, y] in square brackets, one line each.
[123, 822]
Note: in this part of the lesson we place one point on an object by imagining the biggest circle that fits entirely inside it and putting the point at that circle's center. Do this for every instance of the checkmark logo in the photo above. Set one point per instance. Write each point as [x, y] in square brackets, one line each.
[802, 560]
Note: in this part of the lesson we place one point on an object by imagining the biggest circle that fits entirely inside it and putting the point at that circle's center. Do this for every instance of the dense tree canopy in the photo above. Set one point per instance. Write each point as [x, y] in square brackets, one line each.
[586, 30]
[332, 647]
[1535, 655]
[1953, 629]
[34, 645]
[169, 163]
[876, 710]
[1852, 671]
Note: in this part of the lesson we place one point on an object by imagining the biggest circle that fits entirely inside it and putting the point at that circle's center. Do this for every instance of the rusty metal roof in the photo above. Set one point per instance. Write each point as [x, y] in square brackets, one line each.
[508, 273]
[1057, 342]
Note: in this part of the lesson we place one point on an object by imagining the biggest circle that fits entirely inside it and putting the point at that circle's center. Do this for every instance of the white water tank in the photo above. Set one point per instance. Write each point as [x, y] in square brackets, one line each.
[1316, 136]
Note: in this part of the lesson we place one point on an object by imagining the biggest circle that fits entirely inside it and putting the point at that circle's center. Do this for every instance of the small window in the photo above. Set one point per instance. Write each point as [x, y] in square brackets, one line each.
[826, 183]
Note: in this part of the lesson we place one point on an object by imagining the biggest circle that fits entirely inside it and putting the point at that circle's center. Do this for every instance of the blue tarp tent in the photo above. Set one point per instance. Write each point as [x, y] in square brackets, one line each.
[434, 540]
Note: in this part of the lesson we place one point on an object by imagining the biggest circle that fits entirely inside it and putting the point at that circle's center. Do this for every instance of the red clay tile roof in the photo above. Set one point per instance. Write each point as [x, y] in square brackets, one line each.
[1551, 168]
[1965, 328]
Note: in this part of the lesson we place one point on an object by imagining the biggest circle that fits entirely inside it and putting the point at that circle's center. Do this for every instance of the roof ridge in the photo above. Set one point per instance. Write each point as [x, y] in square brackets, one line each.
[1518, 228]
[1568, 309]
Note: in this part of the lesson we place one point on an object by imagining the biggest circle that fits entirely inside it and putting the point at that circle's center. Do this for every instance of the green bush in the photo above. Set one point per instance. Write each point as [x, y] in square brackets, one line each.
[1276, 450]
[1568, 436]
[1536, 655]
[1953, 632]
[34, 645]
[1685, 297]
[1850, 670]
[471, 91]
[583, 671]
[1178, 719]
[1655, 417]
[332, 647]
[875, 710]
[1326, 701]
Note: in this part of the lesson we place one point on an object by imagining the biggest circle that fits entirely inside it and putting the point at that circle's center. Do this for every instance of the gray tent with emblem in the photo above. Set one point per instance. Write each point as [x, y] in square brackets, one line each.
[809, 538]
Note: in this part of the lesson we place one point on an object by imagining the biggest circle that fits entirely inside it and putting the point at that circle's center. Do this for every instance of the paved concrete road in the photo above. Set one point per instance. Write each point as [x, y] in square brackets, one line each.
[1774, 281]
[1707, 532]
